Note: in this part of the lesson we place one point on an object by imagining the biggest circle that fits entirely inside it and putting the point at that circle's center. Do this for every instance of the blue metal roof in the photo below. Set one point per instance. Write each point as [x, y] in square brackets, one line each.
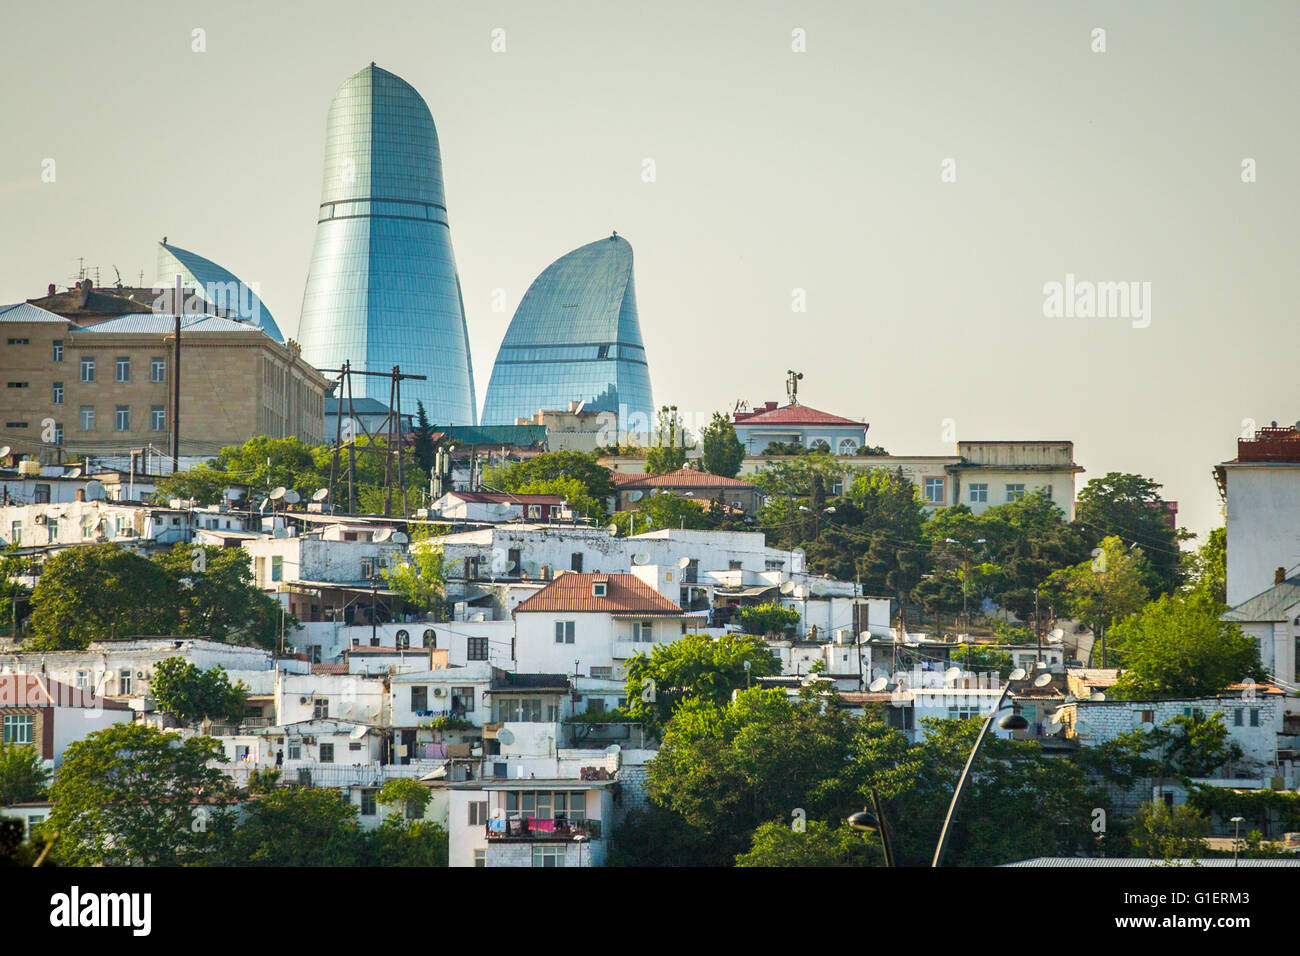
[220, 287]
[160, 323]
[26, 312]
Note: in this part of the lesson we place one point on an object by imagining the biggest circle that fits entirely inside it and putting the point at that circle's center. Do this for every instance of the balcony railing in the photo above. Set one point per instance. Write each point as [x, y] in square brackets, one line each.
[533, 829]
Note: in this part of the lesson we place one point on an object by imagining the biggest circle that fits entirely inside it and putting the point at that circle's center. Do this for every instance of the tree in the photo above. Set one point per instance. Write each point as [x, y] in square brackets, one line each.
[1168, 833]
[1104, 590]
[1195, 745]
[1177, 647]
[299, 826]
[1130, 507]
[667, 510]
[551, 465]
[23, 777]
[192, 694]
[770, 618]
[260, 464]
[407, 797]
[422, 446]
[982, 660]
[132, 795]
[696, 667]
[575, 494]
[721, 451]
[670, 456]
[421, 579]
[398, 842]
[1207, 567]
[99, 592]
[216, 597]
[819, 844]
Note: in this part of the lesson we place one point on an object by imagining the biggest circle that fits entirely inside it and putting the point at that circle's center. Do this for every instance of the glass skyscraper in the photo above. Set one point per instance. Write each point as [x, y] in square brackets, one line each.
[225, 292]
[383, 288]
[575, 337]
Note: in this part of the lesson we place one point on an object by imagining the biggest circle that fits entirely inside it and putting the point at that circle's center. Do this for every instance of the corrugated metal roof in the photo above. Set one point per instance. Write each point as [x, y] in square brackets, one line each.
[1094, 861]
[26, 312]
[624, 593]
[1270, 605]
[159, 323]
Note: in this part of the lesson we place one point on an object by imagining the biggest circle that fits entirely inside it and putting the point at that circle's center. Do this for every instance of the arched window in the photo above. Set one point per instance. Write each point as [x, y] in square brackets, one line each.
[821, 444]
[403, 640]
[848, 446]
[430, 638]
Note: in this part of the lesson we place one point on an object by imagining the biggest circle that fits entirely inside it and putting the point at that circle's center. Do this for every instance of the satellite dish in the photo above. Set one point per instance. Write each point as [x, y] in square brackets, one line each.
[504, 736]
[400, 538]
[640, 558]
[683, 563]
[4, 451]
[787, 588]
[292, 497]
[951, 674]
[877, 685]
[1098, 697]
[280, 533]
[74, 473]
[233, 494]
[635, 495]
[265, 506]
[95, 491]
[613, 750]
[612, 529]
[320, 494]
[278, 492]
[1056, 635]
[1043, 679]
[1017, 674]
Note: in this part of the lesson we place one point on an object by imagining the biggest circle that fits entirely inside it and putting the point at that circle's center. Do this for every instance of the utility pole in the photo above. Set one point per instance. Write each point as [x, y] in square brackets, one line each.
[178, 306]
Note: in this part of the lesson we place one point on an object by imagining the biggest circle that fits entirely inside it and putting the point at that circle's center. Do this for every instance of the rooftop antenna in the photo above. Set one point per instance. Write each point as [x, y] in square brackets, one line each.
[792, 385]
[119, 276]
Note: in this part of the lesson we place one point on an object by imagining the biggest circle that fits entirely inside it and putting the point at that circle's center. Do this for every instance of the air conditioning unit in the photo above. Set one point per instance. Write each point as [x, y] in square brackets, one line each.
[304, 700]
[139, 675]
[309, 740]
[438, 692]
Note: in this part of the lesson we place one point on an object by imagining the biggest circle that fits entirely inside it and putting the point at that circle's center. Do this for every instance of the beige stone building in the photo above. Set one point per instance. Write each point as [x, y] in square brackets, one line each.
[105, 389]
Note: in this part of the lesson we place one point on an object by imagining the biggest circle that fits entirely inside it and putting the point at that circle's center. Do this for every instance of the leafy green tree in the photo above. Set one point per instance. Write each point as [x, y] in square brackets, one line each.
[1207, 567]
[423, 446]
[696, 667]
[216, 596]
[192, 694]
[669, 451]
[99, 592]
[722, 453]
[820, 844]
[982, 660]
[421, 579]
[1105, 589]
[398, 842]
[1195, 745]
[552, 465]
[298, 826]
[770, 618]
[408, 798]
[1027, 540]
[573, 491]
[23, 777]
[260, 464]
[1176, 647]
[1168, 833]
[1131, 508]
[667, 510]
[132, 795]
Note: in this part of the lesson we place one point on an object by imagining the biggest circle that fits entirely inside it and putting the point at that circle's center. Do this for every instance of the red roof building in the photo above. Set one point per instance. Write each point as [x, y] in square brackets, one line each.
[617, 594]
[796, 424]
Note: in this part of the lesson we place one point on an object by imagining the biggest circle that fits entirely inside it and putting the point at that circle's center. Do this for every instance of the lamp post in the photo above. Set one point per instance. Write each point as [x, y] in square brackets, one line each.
[580, 839]
[1236, 836]
[1012, 721]
[865, 820]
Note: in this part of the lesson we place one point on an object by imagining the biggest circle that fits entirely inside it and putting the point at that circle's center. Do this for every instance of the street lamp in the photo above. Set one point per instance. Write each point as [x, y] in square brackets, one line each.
[1236, 836]
[867, 821]
[1012, 721]
[580, 839]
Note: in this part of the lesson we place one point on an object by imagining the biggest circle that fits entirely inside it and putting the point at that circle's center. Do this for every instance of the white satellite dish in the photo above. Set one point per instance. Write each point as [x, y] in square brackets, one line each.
[612, 529]
[683, 563]
[1098, 697]
[292, 497]
[951, 674]
[613, 750]
[278, 492]
[635, 495]
[1056, 635]
[1043, 679]
[4, 451]
[320, 494]
[787, 588]
[73, 473]
[358, 732]
[640, 558]
[1017, 674]
[233, 494]
[95, 491]
[877, 685]
[504, 736]
[400, 538]
[280, 533]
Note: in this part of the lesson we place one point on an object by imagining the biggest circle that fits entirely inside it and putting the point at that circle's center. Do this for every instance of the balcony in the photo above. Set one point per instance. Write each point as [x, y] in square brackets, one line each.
[523, 829]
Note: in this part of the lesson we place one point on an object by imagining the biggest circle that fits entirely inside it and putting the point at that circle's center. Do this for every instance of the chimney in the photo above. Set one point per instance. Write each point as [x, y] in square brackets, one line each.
[51, 292]
[1279, 576]
[81, 494]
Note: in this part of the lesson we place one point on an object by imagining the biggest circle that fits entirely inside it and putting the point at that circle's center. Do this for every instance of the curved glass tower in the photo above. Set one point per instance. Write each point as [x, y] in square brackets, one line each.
[575, 337]
[227, 294]
[383, 288]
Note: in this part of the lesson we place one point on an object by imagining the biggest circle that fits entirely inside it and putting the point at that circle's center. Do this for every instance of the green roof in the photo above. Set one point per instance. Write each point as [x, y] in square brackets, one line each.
[521, 435]
[1270, 605]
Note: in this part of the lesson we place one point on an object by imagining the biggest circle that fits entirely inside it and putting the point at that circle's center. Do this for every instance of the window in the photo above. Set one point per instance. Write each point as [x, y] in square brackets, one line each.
[16, 532]
[643, 631]
[534, 511]
[1047, 490]
[19, 341]
[367, 568]
[403, 640]
[295, 750]
[564, 631]
[979, 492]
[277, 567]
[595, 705]
[157, 369]
[124, 681]
[157, 417]
[462, 699]
[1239, 717]
[1015, 492]
[326, 753]
[848, 446]
[524, 709]
[548, 856]
[430, 637]
[419, 698]
[88, 368]
[478, 813]
[87, 418]
[19, 384]
[603, 673]
[18, 728]
[1254, 716]
[575, 562]
[480, 858]
[58, 350]
[122, 418]
[773, 564]
[122, 368]
[369, 805]
[56, 393]
[599, 589]
[476, 648]
[934, 491]
[83, 680]
[320, 708]
[58, 433]
[1148, 716]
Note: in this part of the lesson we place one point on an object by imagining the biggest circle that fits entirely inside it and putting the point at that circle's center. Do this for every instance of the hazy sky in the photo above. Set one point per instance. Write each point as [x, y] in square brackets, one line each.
[775, 170]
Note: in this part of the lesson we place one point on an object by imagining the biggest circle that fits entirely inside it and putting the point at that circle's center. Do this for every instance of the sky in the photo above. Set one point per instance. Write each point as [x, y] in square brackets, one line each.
[874, 194]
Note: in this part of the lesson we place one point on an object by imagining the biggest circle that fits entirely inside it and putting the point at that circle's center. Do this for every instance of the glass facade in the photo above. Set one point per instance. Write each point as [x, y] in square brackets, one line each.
[223, 290]
[383, 288]
[575, 337]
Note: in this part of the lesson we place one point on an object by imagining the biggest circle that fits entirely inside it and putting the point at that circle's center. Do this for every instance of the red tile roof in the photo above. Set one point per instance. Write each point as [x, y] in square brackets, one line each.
[624, 594]
[682, 478]
[792, 415]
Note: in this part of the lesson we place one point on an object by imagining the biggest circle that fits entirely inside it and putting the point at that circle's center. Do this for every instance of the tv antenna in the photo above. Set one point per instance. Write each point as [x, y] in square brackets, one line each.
[792, 385]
